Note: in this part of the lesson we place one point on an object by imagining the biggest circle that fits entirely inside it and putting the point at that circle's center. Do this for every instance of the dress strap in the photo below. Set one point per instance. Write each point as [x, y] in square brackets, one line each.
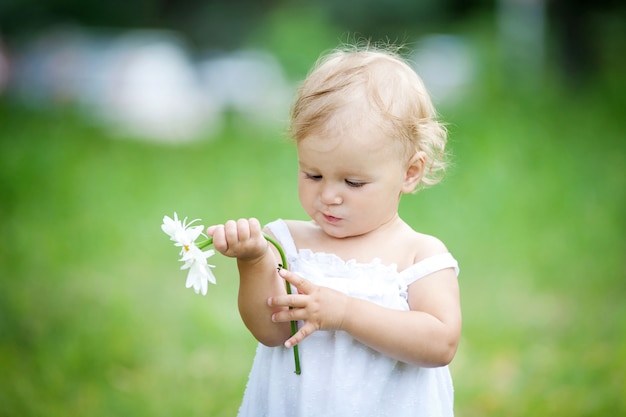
[429, 265]
[283, 235]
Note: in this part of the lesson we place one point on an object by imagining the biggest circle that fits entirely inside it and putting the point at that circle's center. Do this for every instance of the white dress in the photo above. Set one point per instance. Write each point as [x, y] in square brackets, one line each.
[340, 376]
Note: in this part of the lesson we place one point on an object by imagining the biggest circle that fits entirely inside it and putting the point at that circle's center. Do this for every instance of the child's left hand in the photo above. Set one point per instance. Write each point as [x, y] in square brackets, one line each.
[320, 308]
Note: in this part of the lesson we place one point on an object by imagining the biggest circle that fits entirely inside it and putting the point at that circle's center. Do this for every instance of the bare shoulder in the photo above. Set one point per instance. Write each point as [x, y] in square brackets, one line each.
[425, 245]
[408, 246]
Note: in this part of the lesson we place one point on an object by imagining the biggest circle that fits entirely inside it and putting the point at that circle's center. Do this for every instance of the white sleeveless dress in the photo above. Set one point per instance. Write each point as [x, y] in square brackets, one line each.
[340, 376]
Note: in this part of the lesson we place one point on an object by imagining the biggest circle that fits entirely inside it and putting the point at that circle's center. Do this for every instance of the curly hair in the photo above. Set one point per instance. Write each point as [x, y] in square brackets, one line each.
[375, 87]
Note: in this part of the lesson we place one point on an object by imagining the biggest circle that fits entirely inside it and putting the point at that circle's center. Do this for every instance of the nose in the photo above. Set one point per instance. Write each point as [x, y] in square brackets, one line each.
[330, 195]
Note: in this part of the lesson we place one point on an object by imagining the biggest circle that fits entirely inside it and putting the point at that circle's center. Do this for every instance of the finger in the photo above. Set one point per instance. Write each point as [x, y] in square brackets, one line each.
[255, 227]
[243, 229]
[300, 335]
[302, 285]
[290, 300]
[211, 230]
[230, 231]
[293, 314]
[219, 238]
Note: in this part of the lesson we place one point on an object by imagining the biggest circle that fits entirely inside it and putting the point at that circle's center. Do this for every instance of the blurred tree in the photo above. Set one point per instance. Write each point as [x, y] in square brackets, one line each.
[24, 16]
[296, 35]
[227, 23]
[222, 24]
[216, 24]
[213, 22]
[576, 27]
[405, 19]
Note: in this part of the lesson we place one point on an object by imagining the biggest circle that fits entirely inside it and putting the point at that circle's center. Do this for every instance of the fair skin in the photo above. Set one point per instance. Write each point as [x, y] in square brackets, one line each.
[350, 186]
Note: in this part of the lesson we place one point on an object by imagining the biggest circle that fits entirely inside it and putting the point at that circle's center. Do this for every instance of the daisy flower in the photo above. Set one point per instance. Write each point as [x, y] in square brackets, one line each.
[194, 259]
[184, 235]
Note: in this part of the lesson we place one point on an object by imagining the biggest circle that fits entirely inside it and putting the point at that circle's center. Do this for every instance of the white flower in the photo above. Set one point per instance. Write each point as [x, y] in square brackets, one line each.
[184, 235]
[170, 226]
[181, 232]
[199, 270]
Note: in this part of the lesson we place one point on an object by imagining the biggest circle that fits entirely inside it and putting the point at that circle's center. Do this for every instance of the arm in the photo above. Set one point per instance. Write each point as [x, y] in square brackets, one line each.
[427, 335]
[257, 262]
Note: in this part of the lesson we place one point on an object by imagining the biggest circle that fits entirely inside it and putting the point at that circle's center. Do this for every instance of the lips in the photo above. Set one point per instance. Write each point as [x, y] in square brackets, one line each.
[331, 219]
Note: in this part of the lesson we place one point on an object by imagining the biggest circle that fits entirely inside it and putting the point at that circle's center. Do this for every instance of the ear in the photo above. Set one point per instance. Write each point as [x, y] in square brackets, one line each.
[414, 172]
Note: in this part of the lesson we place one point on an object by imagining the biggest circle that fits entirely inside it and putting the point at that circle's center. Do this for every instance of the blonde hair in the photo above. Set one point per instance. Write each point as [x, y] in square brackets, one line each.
[361, 86]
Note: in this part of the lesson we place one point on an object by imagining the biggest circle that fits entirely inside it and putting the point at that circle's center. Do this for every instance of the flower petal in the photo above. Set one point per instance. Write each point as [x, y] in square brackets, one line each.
[193, 258]
[169, 226]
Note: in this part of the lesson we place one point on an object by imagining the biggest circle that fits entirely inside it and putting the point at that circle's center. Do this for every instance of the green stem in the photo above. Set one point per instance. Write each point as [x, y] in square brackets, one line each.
[205, 243]
[283, 259]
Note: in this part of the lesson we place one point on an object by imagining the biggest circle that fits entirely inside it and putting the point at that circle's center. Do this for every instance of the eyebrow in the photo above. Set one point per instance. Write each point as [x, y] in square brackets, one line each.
[354, 176]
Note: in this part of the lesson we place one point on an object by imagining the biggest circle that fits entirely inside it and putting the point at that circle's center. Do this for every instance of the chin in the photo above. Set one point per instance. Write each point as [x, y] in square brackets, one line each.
[337, 235]
[335, 232]
[339, 232]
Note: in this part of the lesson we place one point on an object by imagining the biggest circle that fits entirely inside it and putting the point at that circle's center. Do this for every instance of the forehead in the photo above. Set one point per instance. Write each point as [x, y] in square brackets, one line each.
[363, 152]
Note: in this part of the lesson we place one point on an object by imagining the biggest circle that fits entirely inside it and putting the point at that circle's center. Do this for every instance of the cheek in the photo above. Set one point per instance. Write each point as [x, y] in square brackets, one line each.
[380, 202]
[305, 193]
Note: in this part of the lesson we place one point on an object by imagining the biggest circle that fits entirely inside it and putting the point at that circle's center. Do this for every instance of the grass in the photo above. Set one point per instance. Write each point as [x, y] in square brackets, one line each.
[95, 319]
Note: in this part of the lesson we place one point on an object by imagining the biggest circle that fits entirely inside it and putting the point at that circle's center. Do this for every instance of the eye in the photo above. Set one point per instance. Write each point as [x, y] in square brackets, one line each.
[313, 177]
[354, 184]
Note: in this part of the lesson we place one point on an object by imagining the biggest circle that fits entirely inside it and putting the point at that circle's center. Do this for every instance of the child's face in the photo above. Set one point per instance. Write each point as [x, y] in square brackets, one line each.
[350, 185]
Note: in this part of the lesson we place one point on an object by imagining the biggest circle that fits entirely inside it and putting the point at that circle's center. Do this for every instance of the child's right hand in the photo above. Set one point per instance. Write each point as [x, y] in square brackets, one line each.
[241, 239]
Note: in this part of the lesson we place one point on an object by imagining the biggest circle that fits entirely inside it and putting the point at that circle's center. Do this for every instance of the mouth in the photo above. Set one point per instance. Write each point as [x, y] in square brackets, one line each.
[331, 219]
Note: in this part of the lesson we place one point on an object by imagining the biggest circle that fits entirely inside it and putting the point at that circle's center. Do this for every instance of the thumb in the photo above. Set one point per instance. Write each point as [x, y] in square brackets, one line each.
[211, 229]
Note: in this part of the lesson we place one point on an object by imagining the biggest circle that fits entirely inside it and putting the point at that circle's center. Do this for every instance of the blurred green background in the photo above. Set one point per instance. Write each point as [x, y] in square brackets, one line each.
[94, 316]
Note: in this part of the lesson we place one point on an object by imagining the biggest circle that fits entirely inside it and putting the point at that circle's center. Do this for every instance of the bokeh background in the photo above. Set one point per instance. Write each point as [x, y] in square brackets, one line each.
[114, 114]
